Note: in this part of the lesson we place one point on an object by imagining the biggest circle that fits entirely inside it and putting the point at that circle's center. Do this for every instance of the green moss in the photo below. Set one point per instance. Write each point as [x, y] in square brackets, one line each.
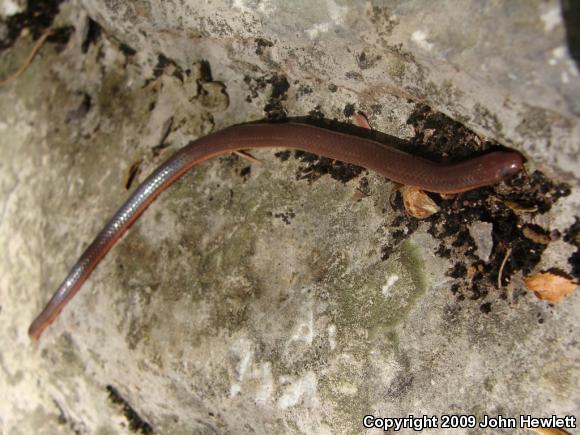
[366, 305]
[396, 69]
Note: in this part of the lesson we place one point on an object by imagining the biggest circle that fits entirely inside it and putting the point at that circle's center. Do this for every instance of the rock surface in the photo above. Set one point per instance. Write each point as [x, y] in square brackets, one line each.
[474, 62]
[293, 295]
[481, 232]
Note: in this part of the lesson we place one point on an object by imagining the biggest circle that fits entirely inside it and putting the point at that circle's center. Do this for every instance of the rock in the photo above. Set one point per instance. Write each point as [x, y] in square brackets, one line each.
[265, 300]
[481, 234]
[523, 90]
[11, 7]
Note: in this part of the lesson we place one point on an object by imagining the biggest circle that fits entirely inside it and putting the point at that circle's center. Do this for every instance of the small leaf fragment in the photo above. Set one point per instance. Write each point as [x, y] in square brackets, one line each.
[358, 194]
[417, 203]
[549, 286]
[361, 120]
[518, 208]
[536, 235]
[550, 431]
[134, 171]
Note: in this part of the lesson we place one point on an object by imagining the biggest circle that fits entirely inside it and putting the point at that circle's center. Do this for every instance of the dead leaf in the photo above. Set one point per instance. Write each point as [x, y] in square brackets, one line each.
[549, 431]
[536, 236]
[154, 86]
[417, 203]
[358, 194]
[549, 286]
[361, 120]
[471, 271]
[518, 208]
[134, 171]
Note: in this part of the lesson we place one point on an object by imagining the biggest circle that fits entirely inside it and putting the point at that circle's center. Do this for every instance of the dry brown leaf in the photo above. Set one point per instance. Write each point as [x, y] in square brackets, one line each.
[518, 208]
[536, 236]
[417, 203]
[550, 431]
[471, 271]
[154, 86]
[550, 287]
[358, 194]
[133, 173]
[361, 120]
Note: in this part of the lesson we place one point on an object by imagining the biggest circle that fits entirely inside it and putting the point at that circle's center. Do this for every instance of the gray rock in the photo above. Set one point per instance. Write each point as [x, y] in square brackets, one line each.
[3, 31]
[252, 300]
[9, 8]
[481, 234]
[502, 68]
